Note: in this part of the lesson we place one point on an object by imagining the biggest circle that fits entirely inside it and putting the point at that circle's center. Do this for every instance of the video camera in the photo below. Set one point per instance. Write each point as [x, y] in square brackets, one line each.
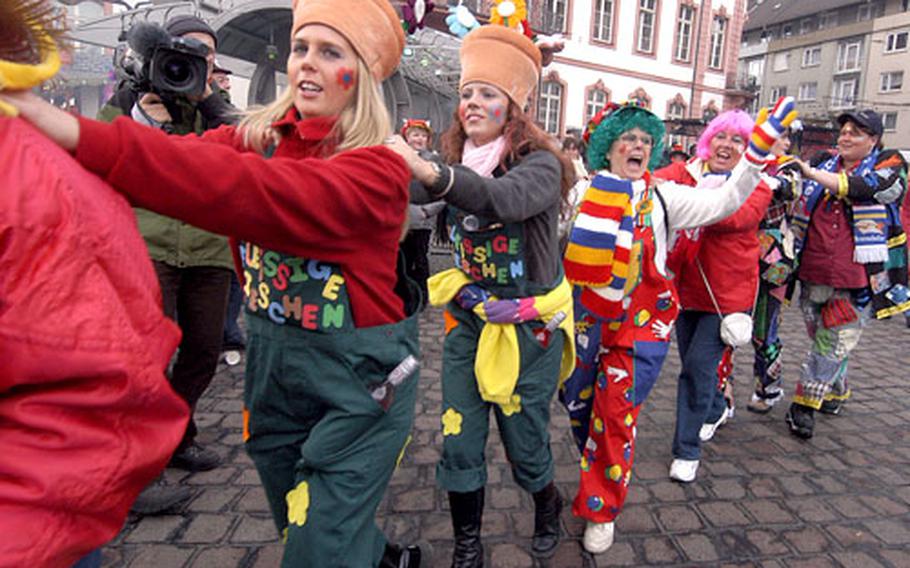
[164, 64]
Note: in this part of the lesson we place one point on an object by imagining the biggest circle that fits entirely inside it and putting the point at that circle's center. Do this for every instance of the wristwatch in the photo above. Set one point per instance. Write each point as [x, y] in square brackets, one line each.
[444, 179]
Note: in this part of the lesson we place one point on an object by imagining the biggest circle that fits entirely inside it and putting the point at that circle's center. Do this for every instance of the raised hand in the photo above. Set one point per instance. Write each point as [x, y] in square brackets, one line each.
[769, 127]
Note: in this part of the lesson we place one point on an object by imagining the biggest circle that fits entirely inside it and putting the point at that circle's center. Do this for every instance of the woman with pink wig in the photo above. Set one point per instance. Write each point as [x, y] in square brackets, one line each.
[716, 274]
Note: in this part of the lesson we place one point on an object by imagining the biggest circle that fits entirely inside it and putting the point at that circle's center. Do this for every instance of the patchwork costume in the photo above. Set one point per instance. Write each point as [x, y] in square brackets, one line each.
[841, 287]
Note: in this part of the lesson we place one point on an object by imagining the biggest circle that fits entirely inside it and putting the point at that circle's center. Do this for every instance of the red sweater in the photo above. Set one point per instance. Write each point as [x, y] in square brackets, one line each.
[728, 253]
[347, 209]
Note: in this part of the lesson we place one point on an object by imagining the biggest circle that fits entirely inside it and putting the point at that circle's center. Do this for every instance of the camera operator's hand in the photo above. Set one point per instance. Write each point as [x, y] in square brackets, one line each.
[208, 93]
[153, 107]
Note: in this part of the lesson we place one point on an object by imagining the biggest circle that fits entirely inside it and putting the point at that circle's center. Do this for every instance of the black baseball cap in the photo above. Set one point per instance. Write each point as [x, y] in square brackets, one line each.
[866, 119]
[184, 24]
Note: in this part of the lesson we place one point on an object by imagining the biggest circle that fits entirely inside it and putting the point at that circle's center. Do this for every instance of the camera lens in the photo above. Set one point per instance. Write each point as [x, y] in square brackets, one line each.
[176, 71]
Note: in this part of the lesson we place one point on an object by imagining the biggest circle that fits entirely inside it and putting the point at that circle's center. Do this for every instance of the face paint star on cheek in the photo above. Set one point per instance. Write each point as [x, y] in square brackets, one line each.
[345, 78]
[497, 114]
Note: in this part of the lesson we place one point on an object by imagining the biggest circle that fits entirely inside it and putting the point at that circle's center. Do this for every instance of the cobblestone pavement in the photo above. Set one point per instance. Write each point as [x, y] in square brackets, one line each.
[762, 497]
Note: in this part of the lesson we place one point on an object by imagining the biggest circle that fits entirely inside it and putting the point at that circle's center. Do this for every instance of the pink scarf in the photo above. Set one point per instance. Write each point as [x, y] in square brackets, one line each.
[483, 159]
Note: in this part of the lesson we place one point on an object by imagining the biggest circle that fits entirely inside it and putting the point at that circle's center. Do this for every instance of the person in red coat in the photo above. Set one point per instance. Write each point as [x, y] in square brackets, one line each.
[718, 273]
[87, 416]
[315, 207]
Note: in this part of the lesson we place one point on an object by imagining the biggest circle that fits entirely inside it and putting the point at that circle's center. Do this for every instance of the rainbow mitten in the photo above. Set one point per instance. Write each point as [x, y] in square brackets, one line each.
[768, 128]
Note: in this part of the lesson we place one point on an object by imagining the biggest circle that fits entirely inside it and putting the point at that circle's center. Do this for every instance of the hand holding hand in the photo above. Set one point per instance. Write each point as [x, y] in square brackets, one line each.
[768, 128]
[420, 168]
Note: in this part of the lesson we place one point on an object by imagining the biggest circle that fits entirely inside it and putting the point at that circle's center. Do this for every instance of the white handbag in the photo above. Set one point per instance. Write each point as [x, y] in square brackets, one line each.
[735, 328]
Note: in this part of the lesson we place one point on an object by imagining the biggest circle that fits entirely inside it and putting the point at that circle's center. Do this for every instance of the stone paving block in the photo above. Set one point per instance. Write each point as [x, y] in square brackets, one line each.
[161, 555]
[253, 500]
[794, 464]
[795, 485]
[678, 518]
[764, 488]
[220, 558]
[510, 556]
[638, 493]
[504, 498]
[155, 529]
[810, 510]
[897, 557]
[667, 491]
[207, 528]
[254, 530]
[808, 539]
[415, 500]
[855, 560]
[248, 476]
[697, 547]
[723, 514]
[767, 542]
[766, 511]
[890, 531]
[816, 561]
[828, 483]
[268, 556]
[213, 500]
[635, 520]
[436, 526]
[659, 550]
[620, 554]
[498, 523]
[852, 535]
[884, 505]
[731, 489]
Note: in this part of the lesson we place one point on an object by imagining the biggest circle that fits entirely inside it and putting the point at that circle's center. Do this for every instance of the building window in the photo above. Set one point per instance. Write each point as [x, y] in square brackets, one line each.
[641, 96]
[647, 18]
[808, 92]
[869, 11]
[827, 20]
[805, 25]
[848, 56]
[549, 108]
[777, 93]
[603, 20]
[755, 69]
[595, 101]
[781, 61]
[718, 32]
[555, 15]
[812, 56]
[684, 21]
[891, 81]
[843, 94]
[889, 121]
[787, 30]
[896, 41]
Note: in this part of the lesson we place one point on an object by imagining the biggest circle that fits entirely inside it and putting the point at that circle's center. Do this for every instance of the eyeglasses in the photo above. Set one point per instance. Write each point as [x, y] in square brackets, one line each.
[632, 138]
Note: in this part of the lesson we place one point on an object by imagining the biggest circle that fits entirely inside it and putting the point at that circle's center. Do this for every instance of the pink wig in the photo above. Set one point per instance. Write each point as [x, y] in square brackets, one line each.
[735, 121]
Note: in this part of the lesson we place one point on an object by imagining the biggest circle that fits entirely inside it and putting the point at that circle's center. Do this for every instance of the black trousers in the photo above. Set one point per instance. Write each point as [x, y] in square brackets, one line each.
[415, 247]
[196, 298]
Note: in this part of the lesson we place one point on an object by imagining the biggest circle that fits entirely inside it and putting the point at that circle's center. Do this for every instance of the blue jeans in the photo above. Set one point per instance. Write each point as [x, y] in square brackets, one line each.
[698, 400]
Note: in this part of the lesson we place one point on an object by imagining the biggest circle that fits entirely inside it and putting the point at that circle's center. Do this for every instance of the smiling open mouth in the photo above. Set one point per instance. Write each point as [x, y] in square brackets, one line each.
[309, 87]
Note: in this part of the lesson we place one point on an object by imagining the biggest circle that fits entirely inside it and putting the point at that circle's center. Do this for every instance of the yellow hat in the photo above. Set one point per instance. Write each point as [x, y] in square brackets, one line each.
[503, 58]
[371, 26]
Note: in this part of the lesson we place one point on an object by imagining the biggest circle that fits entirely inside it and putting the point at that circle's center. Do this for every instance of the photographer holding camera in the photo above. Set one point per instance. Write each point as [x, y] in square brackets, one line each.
[168, 86]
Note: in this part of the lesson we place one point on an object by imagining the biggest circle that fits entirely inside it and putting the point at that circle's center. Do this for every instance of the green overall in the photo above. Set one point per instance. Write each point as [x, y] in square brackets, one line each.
[493, 256]
[324, 449]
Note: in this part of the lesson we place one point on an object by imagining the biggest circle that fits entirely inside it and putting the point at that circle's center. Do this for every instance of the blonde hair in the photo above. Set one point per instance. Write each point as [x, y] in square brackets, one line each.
[363, 122]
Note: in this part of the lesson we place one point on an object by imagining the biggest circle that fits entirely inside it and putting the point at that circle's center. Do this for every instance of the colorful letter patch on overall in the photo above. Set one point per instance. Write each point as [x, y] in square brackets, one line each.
[275, 286]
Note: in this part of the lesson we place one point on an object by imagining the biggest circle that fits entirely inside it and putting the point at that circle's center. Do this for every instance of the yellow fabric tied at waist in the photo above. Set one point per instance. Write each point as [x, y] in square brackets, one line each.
[498, 360]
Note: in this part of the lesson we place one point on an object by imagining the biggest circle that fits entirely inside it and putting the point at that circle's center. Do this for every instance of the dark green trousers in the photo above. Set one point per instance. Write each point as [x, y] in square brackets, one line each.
[324, 449]
[466, 416]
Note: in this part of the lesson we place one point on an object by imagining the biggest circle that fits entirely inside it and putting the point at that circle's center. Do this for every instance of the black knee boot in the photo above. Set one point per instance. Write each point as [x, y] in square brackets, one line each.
[467, 511]
[398, 557]
[547, 506]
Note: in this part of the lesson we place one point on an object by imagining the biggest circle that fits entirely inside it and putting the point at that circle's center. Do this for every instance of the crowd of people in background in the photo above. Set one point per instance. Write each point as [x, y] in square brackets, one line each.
[574, 263]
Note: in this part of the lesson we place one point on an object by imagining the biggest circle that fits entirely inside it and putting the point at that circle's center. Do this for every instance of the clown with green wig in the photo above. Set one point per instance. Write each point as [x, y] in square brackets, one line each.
[625, 301]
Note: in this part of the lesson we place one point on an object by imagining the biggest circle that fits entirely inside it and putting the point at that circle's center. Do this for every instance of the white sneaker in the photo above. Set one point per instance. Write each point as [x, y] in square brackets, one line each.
[598, 537]
[708, 429]
[683, 470]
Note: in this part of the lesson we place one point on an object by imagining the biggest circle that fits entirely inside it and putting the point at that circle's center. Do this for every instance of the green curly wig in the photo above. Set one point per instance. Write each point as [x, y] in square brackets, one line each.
[622, 120]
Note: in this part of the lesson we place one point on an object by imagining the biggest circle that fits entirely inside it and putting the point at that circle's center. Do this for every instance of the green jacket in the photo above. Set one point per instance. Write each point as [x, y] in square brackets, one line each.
[168, 240]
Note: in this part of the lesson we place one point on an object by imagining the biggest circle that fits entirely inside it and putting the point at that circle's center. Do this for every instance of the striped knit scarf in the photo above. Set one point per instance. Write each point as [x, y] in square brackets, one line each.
[601, 238]
[869, 220]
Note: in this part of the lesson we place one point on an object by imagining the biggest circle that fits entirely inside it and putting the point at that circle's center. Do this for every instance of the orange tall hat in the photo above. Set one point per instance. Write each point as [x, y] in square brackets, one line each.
[503, 58]
[371, 26]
